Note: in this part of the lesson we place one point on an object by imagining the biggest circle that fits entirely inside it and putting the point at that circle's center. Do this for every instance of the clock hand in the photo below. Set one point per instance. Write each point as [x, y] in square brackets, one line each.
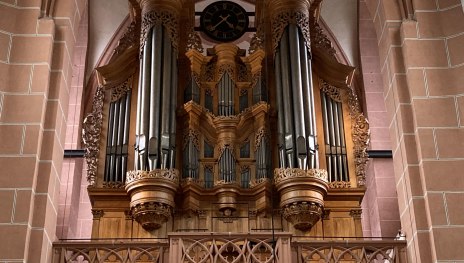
[230, 24]
[223, 19]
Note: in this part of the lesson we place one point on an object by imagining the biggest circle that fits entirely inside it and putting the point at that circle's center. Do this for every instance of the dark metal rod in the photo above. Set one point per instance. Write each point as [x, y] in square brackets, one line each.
[109, 141]
[74, 153]
[138, 117]
[125, 141]
[380, 153]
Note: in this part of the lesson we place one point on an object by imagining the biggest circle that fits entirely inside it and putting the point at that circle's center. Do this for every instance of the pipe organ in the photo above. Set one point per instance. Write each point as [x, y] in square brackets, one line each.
[223, 139]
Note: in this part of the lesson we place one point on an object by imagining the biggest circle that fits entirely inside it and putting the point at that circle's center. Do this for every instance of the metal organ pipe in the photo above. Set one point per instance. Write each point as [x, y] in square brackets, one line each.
[297, 95]
[125, 139]
[155, 97]
[287, 102]
[165, 102]
[308, 102]
[155, 129]
[280, 112]
[172, 110]
[295, 102]
[143, 114]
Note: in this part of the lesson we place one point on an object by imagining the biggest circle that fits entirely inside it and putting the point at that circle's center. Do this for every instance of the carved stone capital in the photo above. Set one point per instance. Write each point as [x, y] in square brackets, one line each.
[356, 213]
[303, 215]
[151, 215]
[97, 214]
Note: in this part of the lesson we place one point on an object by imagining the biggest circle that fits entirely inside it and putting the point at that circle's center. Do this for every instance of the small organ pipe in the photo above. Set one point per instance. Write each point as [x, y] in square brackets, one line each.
[109, 141]
[125, 140]
[114, 142]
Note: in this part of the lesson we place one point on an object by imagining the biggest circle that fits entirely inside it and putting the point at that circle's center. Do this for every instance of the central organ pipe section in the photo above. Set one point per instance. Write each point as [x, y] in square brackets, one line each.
[156, 120]
[295, 102]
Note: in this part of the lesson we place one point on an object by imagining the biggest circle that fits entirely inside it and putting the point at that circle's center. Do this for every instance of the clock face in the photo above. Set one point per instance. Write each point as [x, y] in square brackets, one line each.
[224, 21]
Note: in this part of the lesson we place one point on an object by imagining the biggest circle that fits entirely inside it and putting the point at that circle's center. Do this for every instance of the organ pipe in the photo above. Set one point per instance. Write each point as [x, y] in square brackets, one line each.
[155, 132]
[296, 118]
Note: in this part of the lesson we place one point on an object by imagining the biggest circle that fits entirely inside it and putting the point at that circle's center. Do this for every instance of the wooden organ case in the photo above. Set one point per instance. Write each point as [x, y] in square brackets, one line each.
[182, 138]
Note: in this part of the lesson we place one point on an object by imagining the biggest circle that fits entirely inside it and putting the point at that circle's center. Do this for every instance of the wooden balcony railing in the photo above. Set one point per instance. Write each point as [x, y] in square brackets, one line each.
[279, 247]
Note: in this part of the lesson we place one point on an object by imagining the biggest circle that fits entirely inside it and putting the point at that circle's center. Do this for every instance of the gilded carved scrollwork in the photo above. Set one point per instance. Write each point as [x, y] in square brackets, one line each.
[282, 19]
[92, 127]
[168, 174]
[339, 184]
[128, 39]
[261, 133]
[113, 185]
[332, 91]
[166, 18]
[361, 134]
[281, 174]
[257, 41]
[193, 136]
[320, 40]
[194, 40]
[121, 89]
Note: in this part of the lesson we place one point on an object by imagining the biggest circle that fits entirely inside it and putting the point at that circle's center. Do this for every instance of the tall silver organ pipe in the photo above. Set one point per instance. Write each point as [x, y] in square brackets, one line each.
[154, 78]
[155, 132]
[295, 102]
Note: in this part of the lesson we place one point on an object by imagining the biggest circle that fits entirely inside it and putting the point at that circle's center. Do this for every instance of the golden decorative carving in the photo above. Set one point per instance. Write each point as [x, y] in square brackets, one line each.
[121, 89]
[194, 41]
[261, 133]
[97, 213]
[361, 134]
[168, 174]
[165, 18]
[320, 40]
[289, 12]
[113, 185]
[339, 184]
[191, 135]
[151, 215]
[282, 174]
[303, 215]
[332, 91]
[257, 41]
[128, 39]
[259, 181]
[91, 130]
